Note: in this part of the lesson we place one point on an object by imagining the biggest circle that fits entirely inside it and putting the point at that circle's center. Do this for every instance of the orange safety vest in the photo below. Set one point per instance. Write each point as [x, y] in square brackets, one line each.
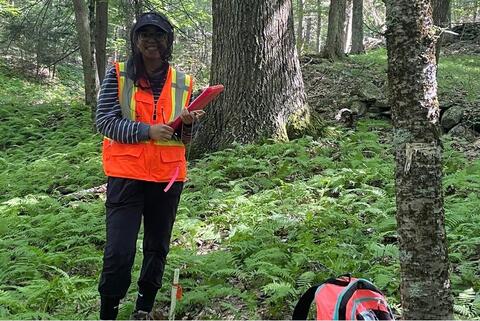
[150, 160]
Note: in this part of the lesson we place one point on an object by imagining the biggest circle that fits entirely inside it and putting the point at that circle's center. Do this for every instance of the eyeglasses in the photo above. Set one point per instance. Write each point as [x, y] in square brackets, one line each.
[152, 35]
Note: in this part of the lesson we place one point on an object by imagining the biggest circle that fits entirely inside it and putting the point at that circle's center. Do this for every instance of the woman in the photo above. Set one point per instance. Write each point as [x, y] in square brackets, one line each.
[144, 159]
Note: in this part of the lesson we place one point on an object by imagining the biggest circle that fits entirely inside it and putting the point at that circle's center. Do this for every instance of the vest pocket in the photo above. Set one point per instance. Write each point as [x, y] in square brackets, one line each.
[126, 150]
[167, 161]
[172, 155]
[125, 160]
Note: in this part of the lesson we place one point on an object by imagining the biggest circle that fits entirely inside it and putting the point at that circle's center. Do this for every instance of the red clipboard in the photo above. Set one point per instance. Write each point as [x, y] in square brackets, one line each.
[200, 102]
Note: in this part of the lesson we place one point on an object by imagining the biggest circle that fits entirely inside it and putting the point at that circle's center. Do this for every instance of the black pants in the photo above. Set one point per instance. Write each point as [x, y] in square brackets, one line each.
[127, 201]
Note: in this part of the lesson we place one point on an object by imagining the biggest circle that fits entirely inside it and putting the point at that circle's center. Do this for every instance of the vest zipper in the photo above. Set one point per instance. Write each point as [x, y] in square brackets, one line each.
[154, 108]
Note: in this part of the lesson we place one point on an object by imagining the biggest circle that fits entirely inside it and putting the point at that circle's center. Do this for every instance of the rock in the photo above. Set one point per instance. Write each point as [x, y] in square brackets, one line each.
[367, 92]
[472, 116]
[467, 31]
[380, 105]
[452, 117]
[358, 107]
[464, 132]
[476, 144]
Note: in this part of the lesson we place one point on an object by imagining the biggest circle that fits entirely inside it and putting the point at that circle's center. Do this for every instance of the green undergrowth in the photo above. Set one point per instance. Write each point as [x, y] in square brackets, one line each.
[457, 74]
[257, 224]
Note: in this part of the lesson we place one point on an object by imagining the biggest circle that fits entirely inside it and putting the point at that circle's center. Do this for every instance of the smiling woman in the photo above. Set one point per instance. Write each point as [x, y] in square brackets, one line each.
[144, 159]
[152, 42]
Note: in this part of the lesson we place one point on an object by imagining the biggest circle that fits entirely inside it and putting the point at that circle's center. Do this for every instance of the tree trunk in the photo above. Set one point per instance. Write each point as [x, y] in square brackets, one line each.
[357, 27]
[88, 60]
[318, 36]
[138, 7]
[348, 27]
[128, 14]
[101, 30]
[425, 287]
[441, 19]
[254, 57]
[300, 4]
[475, 10]
[308, 33]
[334, 47]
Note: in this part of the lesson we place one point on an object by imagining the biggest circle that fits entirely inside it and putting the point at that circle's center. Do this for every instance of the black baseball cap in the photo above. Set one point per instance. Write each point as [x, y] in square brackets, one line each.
[153, 19]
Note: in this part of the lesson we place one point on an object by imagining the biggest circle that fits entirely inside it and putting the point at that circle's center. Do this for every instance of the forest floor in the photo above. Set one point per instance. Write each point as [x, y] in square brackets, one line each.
[361, 82]
[257, 224]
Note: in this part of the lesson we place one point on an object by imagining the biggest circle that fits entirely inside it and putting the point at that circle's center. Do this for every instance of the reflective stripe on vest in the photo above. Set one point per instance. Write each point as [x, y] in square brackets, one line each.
[180, 89]
[126, 92]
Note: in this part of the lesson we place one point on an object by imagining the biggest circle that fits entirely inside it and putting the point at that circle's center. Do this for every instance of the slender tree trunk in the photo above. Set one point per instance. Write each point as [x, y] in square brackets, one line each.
[440, 19]
[254, 57]
[425, 287]
[475, 10]
[138, 7]
[300, 7]
[128, 13]
[308, 33]
[91, 20]
[334, 47]
[101, 30]
[88, 60]
[348, 27]
[357, 27]
[318, 36]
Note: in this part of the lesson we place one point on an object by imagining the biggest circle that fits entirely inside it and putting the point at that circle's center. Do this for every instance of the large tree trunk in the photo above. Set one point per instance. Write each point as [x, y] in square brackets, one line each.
[254, 57]
[88, 60]
[101, 30]
[318, 36]
[300, 4]
[441, 18]
[357, 27]
[335, 43]
[425, 287]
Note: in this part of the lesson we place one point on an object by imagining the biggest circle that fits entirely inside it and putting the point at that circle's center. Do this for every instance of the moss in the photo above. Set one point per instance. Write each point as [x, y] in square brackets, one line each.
[305, 123]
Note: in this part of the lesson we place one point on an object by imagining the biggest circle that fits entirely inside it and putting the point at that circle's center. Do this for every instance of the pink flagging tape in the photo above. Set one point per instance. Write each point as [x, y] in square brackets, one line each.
[172, 180]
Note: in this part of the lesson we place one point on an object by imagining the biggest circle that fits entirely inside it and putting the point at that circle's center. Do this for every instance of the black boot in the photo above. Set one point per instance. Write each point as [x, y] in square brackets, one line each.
[146, 298]
[141, 315]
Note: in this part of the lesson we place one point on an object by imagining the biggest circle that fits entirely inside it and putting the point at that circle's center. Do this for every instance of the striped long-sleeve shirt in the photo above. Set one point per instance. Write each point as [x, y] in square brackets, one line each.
[109, 118]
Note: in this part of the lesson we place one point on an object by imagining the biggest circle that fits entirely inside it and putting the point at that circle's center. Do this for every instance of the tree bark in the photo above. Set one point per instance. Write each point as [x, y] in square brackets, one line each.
[441, 18]
[335, 43]
[254, 57]
[300, 4]
[357, 27]
[88, 60]
[101, 31]
[318, 36]
[425, 287]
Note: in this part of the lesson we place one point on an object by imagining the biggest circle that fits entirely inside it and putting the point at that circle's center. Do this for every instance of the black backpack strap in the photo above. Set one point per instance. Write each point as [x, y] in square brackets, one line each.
[303, 306]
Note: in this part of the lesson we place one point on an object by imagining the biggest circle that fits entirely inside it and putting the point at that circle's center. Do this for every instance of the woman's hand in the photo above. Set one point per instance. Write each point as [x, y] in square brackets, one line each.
[189, 117]
[160, 132]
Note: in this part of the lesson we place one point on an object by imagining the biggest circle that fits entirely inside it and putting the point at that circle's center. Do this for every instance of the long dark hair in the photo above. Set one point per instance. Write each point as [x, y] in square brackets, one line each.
[135, 66]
